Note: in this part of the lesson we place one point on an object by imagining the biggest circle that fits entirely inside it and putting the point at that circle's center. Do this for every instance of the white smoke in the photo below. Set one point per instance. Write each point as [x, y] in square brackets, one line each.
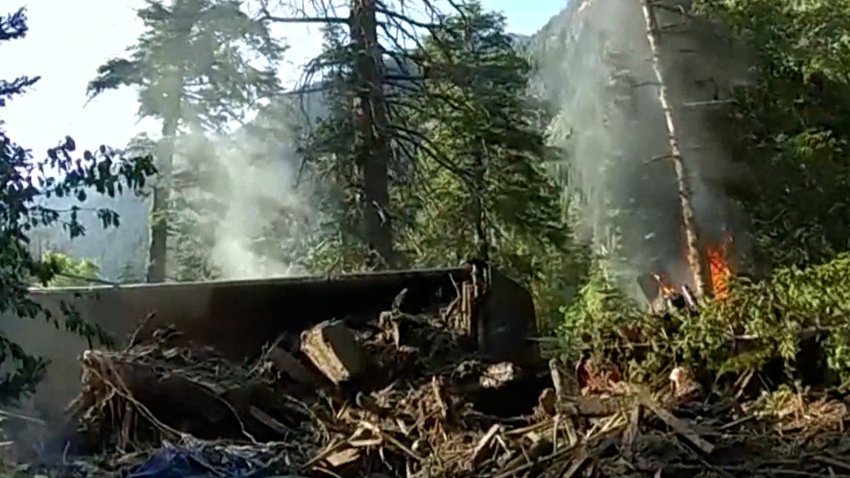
[261, 212]
[596, 71]
[259, 190]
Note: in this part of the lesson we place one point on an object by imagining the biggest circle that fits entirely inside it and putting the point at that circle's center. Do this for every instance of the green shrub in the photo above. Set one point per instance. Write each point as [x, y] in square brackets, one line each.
[759, 322]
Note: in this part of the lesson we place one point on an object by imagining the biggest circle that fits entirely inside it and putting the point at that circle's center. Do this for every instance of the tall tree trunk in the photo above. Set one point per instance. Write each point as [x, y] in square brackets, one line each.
[158, 251]
[477, 190]
[173, 105]
[159, 236]
[372, 142]
[701, 281]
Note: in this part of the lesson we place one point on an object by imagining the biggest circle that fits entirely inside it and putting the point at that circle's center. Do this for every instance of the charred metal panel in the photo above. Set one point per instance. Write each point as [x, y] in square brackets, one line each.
[506, 321]
[242, 316]
[239, 317]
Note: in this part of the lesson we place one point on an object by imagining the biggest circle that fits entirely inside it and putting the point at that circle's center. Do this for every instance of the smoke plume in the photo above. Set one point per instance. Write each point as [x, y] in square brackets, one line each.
[254, 214]
[596, 72]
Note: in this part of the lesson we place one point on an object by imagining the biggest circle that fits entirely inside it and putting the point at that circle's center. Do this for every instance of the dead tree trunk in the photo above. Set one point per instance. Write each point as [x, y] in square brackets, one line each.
[372, 142]
[682, 179]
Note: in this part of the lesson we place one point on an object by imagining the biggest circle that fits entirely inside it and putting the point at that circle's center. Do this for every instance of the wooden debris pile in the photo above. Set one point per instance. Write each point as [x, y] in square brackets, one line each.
[152, 392]
[408, 398]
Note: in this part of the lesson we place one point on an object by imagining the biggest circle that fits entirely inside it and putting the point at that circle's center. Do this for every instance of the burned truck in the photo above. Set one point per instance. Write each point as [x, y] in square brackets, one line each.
[490, 312]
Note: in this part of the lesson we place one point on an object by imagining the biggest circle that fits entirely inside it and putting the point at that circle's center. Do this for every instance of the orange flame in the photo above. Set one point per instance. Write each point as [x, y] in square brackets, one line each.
[664, 288]
[719, 270]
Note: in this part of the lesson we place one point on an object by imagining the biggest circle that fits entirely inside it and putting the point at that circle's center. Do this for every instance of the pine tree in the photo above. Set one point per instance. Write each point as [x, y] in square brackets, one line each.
[192, 66]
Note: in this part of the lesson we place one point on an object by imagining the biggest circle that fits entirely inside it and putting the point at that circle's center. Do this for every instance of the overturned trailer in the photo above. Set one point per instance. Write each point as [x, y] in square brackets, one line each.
[239, 317]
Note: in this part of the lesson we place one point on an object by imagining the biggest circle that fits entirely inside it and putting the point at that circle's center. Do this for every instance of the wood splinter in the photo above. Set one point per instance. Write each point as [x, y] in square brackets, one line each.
[677, 425]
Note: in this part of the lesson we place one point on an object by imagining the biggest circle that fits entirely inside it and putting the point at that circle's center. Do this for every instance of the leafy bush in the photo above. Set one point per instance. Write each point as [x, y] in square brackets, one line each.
[757, 324]
[26, 183]
[68, 271]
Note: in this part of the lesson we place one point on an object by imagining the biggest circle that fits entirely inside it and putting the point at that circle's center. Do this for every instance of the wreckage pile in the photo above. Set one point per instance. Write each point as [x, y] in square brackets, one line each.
[406, 397]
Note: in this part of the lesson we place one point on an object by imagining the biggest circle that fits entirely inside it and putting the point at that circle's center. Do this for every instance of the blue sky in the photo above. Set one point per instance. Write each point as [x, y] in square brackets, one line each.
[68, 40]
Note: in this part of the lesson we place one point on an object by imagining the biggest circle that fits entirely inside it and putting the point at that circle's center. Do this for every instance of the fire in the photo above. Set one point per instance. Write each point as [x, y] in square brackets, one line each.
[665, 288]
[719, 270]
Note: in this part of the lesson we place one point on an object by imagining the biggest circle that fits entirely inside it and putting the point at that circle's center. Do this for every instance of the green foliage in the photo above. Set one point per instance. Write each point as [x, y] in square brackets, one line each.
[204, 65]
[68, 271]
[339, 244]
[795, 123]
[599, 310]
[792, 127]
[757, 324]
[484, 189]
[194, 209]
[770, 317]
[26, 183]
[492, 156]
[194, 61]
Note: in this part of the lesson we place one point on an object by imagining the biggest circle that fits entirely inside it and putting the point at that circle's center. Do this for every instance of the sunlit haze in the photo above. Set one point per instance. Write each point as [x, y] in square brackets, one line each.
[69, 40]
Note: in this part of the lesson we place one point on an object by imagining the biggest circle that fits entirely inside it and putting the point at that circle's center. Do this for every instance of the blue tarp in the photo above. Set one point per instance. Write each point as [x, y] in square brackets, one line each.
[195, 462]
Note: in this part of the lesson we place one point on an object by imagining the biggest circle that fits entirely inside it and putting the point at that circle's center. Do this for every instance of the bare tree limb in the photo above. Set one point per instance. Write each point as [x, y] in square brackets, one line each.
[325, 20]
